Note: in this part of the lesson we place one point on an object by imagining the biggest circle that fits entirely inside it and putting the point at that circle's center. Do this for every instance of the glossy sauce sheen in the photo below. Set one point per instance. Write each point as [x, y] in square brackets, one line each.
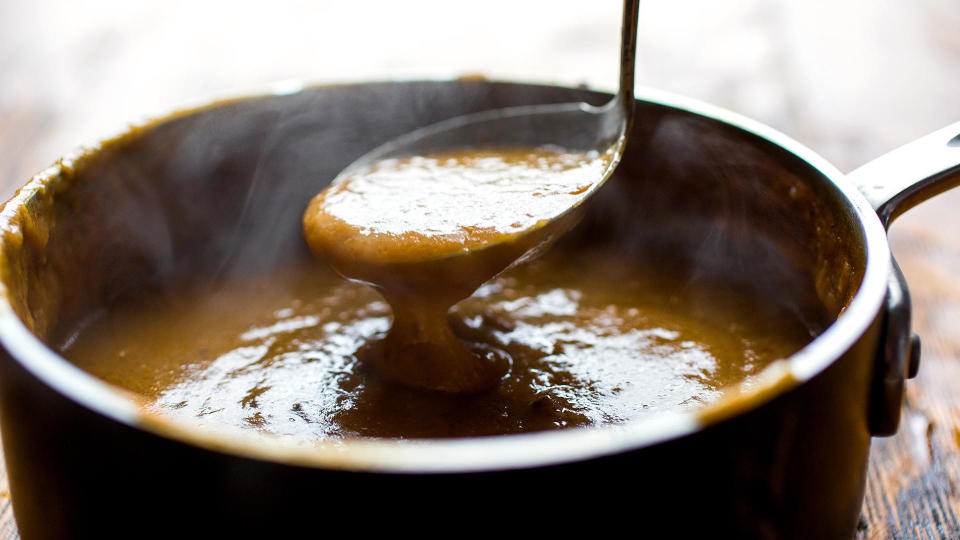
[593, 340]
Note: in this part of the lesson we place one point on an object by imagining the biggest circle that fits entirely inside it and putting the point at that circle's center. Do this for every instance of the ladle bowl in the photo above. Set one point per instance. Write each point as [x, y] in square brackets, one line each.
[581, 127]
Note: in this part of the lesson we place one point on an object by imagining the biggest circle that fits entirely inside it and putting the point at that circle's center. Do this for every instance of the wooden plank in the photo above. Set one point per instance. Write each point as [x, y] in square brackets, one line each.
[912, 487]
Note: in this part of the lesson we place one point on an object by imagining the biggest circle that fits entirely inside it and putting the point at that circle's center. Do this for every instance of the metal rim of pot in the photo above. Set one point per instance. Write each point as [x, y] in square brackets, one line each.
[877, 193]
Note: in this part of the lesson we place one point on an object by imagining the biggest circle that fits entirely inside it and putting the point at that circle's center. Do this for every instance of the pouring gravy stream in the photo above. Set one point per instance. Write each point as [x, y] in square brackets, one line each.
[426, 231]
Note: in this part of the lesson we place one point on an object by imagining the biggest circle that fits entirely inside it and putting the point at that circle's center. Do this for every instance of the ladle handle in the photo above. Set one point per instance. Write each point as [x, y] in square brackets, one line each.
[628, 60]
[911, 174]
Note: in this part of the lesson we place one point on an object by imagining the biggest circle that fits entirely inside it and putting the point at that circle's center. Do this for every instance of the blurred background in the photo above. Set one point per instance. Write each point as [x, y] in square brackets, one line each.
[852, 79]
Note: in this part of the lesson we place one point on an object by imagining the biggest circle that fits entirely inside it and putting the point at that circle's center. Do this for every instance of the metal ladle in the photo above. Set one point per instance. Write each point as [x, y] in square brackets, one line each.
[420, 350]
[570, 126]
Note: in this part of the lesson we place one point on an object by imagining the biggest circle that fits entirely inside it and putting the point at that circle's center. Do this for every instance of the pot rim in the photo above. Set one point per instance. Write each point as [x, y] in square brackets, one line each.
[472, 454]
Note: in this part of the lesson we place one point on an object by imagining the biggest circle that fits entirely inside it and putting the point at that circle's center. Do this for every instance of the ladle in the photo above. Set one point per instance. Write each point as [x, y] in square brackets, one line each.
[570, 126]
[422, 281]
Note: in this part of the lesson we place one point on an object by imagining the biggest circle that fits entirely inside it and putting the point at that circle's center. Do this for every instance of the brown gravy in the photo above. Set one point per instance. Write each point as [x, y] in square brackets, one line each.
[592, 341]
[581, 337]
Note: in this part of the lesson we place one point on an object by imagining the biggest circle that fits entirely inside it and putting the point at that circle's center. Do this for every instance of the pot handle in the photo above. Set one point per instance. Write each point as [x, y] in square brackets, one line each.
[911, 174]
[894, 183]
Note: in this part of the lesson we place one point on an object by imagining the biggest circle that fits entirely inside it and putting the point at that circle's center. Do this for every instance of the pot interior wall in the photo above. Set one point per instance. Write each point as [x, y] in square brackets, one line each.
[220, 192]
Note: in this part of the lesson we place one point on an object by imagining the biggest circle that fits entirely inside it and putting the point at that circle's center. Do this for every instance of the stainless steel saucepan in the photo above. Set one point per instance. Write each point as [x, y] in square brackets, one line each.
[782, 457]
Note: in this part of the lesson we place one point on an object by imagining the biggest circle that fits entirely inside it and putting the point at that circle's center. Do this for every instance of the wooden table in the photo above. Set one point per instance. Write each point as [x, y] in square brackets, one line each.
[851, 79]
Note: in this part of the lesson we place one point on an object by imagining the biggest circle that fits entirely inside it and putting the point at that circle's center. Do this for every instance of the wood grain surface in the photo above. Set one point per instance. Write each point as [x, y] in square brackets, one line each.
[850, 78]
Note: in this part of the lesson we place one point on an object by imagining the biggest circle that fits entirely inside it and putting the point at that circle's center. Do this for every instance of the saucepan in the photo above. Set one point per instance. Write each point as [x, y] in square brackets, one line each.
[221, 188]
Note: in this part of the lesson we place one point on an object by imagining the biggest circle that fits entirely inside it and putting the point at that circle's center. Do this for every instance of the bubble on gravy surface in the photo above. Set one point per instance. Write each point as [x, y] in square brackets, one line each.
[593, 340]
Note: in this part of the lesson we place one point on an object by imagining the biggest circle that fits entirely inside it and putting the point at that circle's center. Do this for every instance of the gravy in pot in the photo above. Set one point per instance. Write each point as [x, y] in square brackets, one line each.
[576, 337]
[591, 338]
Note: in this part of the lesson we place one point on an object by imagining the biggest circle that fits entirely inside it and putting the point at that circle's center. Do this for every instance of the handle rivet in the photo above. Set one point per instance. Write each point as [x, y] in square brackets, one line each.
[913, 362]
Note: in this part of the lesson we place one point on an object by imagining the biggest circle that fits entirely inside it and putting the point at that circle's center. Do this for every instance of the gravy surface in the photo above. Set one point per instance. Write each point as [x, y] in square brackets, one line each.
[592, 339]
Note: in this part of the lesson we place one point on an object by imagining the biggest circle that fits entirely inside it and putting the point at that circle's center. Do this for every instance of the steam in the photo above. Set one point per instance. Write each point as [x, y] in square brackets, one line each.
[220, 193]
[719, 206]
